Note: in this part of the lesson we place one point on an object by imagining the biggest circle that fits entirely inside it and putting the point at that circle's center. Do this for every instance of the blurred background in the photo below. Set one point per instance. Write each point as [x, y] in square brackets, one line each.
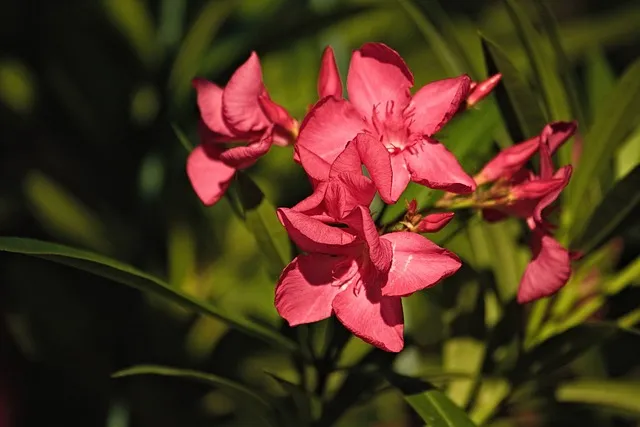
[92, 94]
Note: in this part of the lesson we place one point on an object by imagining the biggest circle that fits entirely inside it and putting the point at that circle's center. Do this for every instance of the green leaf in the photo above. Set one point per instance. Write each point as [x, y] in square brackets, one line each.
[433, 407]
[260, 217]
[245, 395]
[618, 205]
[449, 60]
[545, 69]
[618, 394]
[600, 81]
[130, 276]
[186, 143]
[306, 403]
[198, 39]
[608, 132]
[462, 354]
[515, 95]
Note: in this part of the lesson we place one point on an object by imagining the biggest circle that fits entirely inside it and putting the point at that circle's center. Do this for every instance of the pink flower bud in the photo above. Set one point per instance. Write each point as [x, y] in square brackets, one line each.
[479, 91]
[434, 222]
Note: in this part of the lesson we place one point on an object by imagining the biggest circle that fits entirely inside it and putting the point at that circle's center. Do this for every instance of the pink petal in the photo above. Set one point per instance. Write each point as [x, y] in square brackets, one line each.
[314, 236]
[347, 191]
[417, 263]
[434, 104]
[210, 106]
[379, 250]
[434, 222]
[548, 271]
[209, 177]
[276, 113]
[327, 129]
[557, 133]
[243, 156]
[378, 162]
[431, 164]
[315, 166]
[240, 105]
[348, 161]
[307, 286]
[563, 175]
[482, 89]
[508, 161]
[400, 178]
[313, 205]
[376, 319]
[377, 74]
[329, 83]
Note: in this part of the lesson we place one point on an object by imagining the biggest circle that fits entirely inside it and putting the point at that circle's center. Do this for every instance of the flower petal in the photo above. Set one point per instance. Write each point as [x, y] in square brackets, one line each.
[376, 319]
[307, 286]
[315, 166]
[347, 191]
[563, 175]
[329, 83]
[276, 113]
[548, 271]
[327, 129]
[417, 263]
[377, 74]
[314, 236]
[379, 250]
[435, 103]
[378, 162]
[431, 164]
[210, 105]
[209, 176]
[243, 156]
[557, 133]
[240, 106]
[400, 177]
[434, 222]
[508, 161]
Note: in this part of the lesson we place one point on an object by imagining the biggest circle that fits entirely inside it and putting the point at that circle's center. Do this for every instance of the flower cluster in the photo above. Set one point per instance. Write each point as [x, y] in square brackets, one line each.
[347, 266]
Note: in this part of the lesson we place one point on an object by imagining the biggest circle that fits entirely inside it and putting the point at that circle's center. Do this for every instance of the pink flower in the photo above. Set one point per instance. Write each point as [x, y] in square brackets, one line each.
[329, 83]
[478, 91]
[400, 127]
[529, 195]
[241, 112]
[355, 273]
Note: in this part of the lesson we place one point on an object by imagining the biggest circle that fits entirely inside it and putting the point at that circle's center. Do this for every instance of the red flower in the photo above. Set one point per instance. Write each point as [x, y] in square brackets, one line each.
[241, 112]
[351, 270]
[400, 127]
[529, 195]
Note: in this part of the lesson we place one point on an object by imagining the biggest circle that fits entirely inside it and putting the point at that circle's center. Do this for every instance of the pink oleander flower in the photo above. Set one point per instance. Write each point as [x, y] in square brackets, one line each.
[351, 271]
[480, 90]
[400, 126]
[240, 112]
[529, 196]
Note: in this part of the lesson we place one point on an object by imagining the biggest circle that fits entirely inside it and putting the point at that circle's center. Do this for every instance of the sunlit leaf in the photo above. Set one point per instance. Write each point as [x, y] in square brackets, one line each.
[609, 130]
[433, 407]
[545, 69]
[515, 95]
[618, 394]
[247, 396]
[618, 205]
[260, 217]
[462, 354]
[600, 81]
[130, 276]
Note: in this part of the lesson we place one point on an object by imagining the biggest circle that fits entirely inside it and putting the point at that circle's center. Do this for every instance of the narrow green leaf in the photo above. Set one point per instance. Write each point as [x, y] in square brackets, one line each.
[433, 407]
[63, 215]
[462, 354]
[248, 396]
[515, 95]
[600, 81]
[451, 63]
[545, 70]
[182, 138]
[260, 218]
[618, 205]
[618, 394]
[628, 156]
[609, 130]
[130, 276]
[197, 41]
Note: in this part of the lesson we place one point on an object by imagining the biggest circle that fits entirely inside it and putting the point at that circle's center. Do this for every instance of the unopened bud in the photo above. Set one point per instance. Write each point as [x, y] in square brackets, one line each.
[478, 91]
[434, 222]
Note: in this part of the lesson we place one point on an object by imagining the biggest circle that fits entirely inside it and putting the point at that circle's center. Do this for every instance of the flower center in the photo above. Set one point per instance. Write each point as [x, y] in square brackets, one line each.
[391, 126]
